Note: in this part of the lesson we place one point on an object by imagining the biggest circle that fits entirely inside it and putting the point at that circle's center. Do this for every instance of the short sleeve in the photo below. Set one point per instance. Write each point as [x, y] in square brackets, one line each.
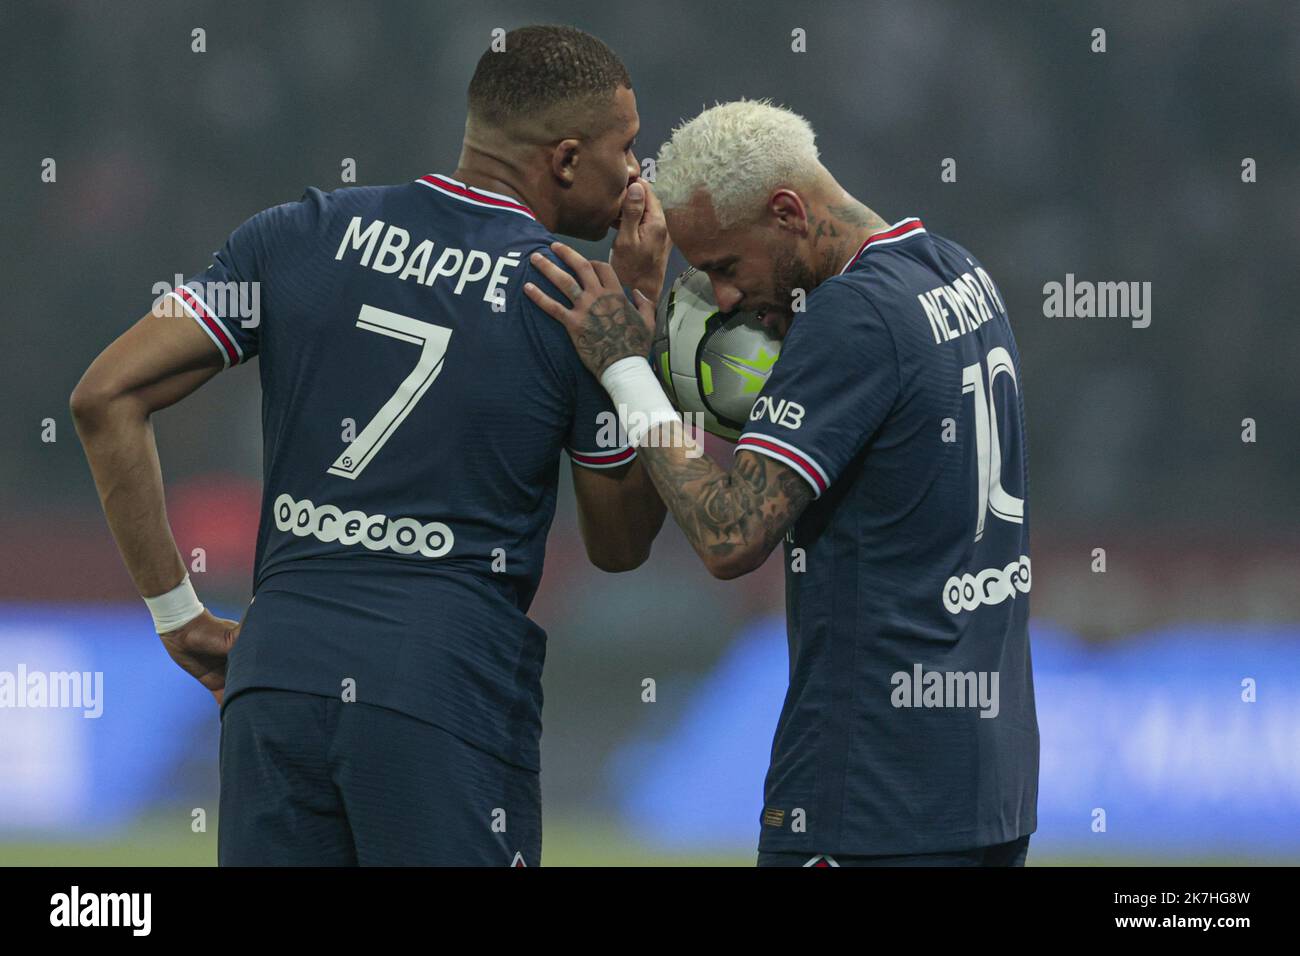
[595, 439]
[226, 299]
[834, 383]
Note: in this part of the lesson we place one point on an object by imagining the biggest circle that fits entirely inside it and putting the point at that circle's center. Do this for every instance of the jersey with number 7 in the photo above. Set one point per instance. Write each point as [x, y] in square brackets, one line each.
[415, 405]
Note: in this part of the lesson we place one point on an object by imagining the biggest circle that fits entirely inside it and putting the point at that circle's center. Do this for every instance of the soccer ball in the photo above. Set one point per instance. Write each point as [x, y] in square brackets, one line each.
[712, 364]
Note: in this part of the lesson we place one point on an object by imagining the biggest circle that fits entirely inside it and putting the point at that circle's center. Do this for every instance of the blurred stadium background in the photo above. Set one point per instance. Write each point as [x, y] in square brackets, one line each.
[1117, 166]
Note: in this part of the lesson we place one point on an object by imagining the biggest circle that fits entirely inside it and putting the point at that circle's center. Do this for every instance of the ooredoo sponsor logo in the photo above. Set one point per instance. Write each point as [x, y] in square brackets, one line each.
[990, 586]
[327, 522]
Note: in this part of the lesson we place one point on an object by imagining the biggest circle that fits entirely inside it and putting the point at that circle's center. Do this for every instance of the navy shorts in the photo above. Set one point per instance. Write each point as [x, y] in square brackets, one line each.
[313, 781]
[1012, 853]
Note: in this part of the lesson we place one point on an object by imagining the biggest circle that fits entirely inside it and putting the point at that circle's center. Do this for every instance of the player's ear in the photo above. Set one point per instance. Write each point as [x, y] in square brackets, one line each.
[564, 161]
[789, 211]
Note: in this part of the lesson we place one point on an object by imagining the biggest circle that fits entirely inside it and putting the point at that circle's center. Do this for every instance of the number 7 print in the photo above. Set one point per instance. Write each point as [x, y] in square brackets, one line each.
[432, 340]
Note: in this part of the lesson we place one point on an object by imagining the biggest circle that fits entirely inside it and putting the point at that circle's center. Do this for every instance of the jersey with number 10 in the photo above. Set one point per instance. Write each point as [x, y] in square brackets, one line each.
[415, 405]
[909, 725]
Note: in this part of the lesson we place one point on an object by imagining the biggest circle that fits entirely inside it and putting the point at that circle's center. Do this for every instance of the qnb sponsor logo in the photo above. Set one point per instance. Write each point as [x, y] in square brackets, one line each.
[923, 688]
[377, 532]
[990, 586]
[778, 411]
[75, 908]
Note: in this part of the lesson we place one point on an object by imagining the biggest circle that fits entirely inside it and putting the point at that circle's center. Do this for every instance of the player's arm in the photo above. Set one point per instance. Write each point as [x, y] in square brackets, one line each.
[154, 364]
[732, 519]
[619, 514]
[619, 510]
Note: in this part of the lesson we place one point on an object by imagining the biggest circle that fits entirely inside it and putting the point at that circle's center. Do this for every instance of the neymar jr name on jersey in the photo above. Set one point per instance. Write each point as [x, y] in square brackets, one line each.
[962, 301]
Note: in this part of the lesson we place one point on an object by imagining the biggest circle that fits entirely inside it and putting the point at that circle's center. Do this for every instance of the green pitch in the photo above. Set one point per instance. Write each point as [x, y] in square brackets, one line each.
[156, 842]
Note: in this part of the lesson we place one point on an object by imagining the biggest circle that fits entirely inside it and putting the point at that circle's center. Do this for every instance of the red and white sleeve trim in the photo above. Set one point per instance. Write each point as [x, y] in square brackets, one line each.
[805, 465]
[606, 458]
[208, 321]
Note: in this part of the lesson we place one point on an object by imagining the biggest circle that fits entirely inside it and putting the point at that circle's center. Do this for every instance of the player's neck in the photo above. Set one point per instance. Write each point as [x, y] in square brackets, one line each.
[839, 228]
[485, 171]
[491, 184]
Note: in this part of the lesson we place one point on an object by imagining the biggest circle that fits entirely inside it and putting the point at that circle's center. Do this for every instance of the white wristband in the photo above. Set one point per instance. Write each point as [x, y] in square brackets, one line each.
[178, 606]
[638, 397]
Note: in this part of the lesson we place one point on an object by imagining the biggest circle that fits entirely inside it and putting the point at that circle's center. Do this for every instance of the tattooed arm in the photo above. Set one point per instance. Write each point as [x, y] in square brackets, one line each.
[732, 519]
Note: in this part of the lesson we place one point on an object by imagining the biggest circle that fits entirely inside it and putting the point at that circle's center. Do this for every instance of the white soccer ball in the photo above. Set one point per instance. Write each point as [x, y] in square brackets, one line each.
[711, 363]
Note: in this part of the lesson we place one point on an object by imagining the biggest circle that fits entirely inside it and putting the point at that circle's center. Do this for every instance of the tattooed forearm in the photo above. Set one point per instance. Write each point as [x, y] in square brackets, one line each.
[614, 330]
[732, 520]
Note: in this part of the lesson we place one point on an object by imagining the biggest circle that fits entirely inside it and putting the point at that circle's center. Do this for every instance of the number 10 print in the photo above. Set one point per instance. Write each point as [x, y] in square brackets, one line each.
[988, 447]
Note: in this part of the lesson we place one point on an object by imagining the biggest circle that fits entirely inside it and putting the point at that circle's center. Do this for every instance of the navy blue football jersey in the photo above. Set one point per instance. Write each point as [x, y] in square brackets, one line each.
[909, 725]
[415, 405]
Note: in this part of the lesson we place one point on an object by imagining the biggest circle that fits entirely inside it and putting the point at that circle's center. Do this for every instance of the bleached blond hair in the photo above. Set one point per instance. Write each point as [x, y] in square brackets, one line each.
[738, 153]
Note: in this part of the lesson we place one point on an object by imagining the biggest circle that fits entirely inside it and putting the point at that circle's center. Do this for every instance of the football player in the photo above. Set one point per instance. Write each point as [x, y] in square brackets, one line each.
[381, 698]
[887, 451]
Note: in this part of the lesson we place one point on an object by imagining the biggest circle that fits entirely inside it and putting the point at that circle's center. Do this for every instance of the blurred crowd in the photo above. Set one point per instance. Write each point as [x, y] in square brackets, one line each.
[1122, 165]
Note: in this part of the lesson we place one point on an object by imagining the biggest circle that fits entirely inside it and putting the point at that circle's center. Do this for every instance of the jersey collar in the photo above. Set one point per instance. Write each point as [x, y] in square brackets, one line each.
[470, 194]
[903, 229]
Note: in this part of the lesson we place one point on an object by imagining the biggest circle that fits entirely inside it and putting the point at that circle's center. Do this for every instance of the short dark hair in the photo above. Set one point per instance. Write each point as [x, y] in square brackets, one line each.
[542, 67]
